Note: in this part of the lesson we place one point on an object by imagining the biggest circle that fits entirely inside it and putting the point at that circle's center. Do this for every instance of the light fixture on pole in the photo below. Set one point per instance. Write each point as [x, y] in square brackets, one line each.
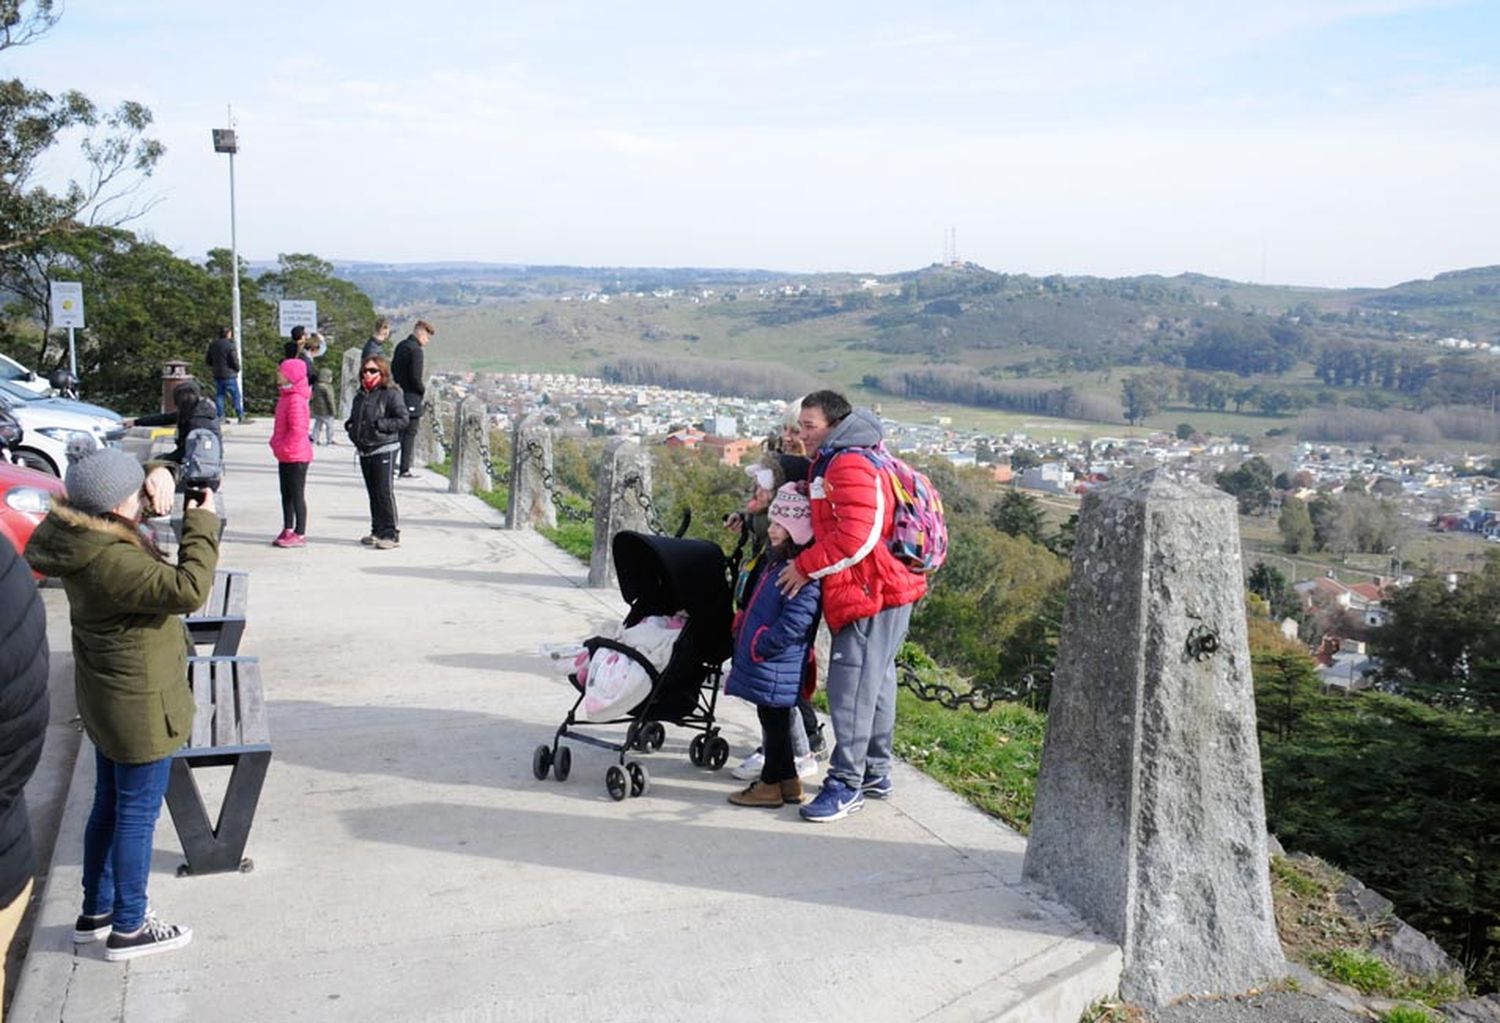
[225, 141]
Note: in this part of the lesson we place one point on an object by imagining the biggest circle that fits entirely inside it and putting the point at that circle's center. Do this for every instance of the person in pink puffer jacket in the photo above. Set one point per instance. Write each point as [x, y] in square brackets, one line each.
[293, 450]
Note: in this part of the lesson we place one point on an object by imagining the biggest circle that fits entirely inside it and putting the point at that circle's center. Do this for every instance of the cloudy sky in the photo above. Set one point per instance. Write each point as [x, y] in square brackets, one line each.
[1330, 142]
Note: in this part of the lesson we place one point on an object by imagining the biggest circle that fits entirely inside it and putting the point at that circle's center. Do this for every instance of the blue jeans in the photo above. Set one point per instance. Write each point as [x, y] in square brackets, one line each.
[117, 839]
[229, 386]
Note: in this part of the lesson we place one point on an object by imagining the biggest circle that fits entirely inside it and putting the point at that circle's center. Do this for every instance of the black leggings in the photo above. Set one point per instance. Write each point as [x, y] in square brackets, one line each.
[775, 723]
[378, 470]
[293, 495]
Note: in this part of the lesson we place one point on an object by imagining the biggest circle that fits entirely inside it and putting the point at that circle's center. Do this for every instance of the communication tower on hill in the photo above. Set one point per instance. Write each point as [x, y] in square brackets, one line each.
[950, 247]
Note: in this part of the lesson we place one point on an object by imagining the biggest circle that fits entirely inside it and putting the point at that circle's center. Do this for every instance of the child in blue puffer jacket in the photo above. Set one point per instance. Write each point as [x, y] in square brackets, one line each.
[773, 651]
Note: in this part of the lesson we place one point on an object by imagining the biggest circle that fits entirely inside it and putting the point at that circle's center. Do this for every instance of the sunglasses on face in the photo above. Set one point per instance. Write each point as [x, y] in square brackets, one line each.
[371, 370]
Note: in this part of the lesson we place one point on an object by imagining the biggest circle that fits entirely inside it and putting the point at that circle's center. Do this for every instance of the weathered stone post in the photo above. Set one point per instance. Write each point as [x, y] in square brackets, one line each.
[471, 448]
[427, 448]
[1149, 818]
[530, 468]
[348, 381]
[624, 477]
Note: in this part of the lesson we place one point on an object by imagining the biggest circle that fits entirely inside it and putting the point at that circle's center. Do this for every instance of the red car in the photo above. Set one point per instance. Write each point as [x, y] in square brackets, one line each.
[25, 496]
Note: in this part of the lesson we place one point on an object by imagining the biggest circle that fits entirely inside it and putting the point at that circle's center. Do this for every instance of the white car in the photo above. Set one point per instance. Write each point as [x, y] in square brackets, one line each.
[13, 371]
[47, 430]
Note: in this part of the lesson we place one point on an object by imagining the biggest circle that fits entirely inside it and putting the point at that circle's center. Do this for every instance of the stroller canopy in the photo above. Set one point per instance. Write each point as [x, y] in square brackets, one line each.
[661, 575]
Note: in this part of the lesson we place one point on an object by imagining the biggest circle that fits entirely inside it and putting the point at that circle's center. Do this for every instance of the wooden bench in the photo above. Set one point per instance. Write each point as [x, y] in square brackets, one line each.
[221, 621]
[230, 729]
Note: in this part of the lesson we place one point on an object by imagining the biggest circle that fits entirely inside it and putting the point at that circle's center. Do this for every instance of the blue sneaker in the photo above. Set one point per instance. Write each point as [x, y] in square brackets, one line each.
[834, 801]
[877, 788]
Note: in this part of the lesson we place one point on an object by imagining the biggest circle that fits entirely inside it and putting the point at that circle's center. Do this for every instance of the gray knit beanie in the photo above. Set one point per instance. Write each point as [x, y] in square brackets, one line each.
[99, 481]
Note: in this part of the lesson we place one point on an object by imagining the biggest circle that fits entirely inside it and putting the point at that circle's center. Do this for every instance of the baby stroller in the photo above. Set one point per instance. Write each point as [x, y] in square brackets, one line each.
[660, 575]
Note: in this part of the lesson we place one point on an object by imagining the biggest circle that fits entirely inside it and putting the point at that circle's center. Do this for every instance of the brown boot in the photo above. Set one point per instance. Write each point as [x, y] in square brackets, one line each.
[791, 791]
[758, 793]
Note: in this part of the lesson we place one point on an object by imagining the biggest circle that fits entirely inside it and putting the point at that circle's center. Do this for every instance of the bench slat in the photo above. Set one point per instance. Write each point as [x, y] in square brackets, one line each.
[237, 593]
[224, 731]
[251, 701]
[200, 676]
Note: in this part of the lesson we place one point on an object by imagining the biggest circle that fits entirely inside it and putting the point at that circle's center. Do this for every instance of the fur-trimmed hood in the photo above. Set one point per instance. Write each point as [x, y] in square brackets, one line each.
[68, 540]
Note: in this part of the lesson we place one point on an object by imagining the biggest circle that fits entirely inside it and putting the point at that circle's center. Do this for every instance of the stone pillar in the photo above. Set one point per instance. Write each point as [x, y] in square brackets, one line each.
[530, 466]
[468, 474]
[624, 477]
[348, 381]
[428, 446]
[1149, 818]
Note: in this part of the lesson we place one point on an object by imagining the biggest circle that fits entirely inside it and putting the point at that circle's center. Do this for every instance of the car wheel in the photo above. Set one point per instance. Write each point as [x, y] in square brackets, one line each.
[36, 460]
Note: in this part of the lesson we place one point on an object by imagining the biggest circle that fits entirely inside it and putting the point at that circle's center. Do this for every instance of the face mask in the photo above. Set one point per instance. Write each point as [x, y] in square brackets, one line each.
[369, 382]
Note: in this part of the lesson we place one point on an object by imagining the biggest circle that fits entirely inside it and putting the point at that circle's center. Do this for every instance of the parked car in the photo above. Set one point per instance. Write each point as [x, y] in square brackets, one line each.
[25, 496]
[16, 373]
[56, 401]
[48, 427]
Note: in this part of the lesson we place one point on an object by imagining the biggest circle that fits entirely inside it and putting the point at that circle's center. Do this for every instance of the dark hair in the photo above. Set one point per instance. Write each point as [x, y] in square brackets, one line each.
[225, 331]
[184, 396]
[290, 349]
[299, 332]
[381, 323]
[834, 406]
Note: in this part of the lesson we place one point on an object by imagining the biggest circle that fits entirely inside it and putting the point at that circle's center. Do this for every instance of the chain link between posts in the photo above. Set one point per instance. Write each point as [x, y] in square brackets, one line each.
[643, 498]
[1031, 688]
[538, 456]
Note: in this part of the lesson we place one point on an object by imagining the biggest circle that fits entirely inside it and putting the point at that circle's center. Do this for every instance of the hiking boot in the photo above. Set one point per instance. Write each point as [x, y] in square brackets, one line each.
[834, 801]
[385, 545]
[791, 791]
[368, 541]
[758, 793]
[92, 928]
[877, 788]
[750, 767]
[153, 936]
[807, 767]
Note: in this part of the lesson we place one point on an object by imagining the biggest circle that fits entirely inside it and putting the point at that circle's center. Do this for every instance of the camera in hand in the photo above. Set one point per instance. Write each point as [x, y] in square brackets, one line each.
[194, 496]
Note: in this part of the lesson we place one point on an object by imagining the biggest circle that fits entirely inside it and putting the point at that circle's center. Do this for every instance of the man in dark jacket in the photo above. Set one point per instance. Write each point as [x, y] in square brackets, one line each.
[406, 370]
[23, 724]
[224, 360]
[376, 344]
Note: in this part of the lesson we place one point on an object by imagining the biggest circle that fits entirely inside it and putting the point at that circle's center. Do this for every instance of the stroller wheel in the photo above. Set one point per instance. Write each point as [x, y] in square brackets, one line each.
[541, 762]
[640, 780]
[718, 752]
[696, 754]
[614, 781]
[656, 734]
[562, 766]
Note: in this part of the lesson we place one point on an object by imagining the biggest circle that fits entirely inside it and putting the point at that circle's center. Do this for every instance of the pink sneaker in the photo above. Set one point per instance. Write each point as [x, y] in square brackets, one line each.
[284, 539]
[296, 540]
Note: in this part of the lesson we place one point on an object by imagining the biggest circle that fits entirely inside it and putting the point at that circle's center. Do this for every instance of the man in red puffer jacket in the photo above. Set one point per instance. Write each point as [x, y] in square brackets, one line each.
[867, 598]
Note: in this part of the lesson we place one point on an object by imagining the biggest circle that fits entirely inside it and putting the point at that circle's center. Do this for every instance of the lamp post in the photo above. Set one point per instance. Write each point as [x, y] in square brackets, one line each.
[225, 141]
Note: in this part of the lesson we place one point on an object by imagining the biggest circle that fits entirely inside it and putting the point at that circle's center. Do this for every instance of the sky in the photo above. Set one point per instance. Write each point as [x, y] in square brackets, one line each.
[1312, 142]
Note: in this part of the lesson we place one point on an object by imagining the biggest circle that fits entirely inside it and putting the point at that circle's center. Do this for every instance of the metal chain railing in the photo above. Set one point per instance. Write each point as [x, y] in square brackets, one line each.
[1032, 689]
[538, 456]
[643, 498]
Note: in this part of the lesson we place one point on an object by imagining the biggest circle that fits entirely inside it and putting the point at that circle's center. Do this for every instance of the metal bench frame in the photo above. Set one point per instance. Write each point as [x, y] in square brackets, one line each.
[230, 729]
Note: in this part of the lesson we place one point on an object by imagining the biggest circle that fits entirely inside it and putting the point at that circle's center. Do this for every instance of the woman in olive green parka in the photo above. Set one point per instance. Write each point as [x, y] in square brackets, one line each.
[130, 674]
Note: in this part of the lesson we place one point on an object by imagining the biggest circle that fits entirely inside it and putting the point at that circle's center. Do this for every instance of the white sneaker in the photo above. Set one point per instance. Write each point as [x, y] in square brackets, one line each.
[807, 767]
[750, 767]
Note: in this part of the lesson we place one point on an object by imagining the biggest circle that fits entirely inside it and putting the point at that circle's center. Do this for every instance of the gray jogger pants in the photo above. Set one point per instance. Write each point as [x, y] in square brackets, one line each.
[862, 694]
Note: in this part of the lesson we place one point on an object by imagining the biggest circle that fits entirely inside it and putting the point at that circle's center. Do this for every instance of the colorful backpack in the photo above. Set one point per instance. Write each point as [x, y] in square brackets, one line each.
[919, 534]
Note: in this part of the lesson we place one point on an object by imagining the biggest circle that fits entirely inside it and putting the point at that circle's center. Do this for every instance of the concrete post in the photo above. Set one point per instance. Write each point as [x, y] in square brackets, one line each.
[471, 448]
[428, 448]
[624, 477]
[1149, 818]
[348, 381]
[530, 469]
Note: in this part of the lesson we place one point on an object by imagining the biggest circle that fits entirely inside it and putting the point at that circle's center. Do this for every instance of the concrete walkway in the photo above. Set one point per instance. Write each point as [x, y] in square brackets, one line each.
[409, 867]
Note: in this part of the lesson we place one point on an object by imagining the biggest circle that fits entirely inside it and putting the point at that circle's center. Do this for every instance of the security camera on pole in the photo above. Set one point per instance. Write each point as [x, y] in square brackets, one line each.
[225, 141]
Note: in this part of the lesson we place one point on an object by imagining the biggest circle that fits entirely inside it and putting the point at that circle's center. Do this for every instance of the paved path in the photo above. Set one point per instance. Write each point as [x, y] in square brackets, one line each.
[409, 867]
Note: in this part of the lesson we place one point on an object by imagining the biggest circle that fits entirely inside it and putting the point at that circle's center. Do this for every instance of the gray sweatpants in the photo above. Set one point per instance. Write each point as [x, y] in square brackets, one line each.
[862, 694]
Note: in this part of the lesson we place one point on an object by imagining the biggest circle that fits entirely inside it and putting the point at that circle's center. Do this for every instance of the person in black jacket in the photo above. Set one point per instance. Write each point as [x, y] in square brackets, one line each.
[23, 725]
[406, 370]
[224, 360]
[376, 344]
[374, 426]
[193, 412]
